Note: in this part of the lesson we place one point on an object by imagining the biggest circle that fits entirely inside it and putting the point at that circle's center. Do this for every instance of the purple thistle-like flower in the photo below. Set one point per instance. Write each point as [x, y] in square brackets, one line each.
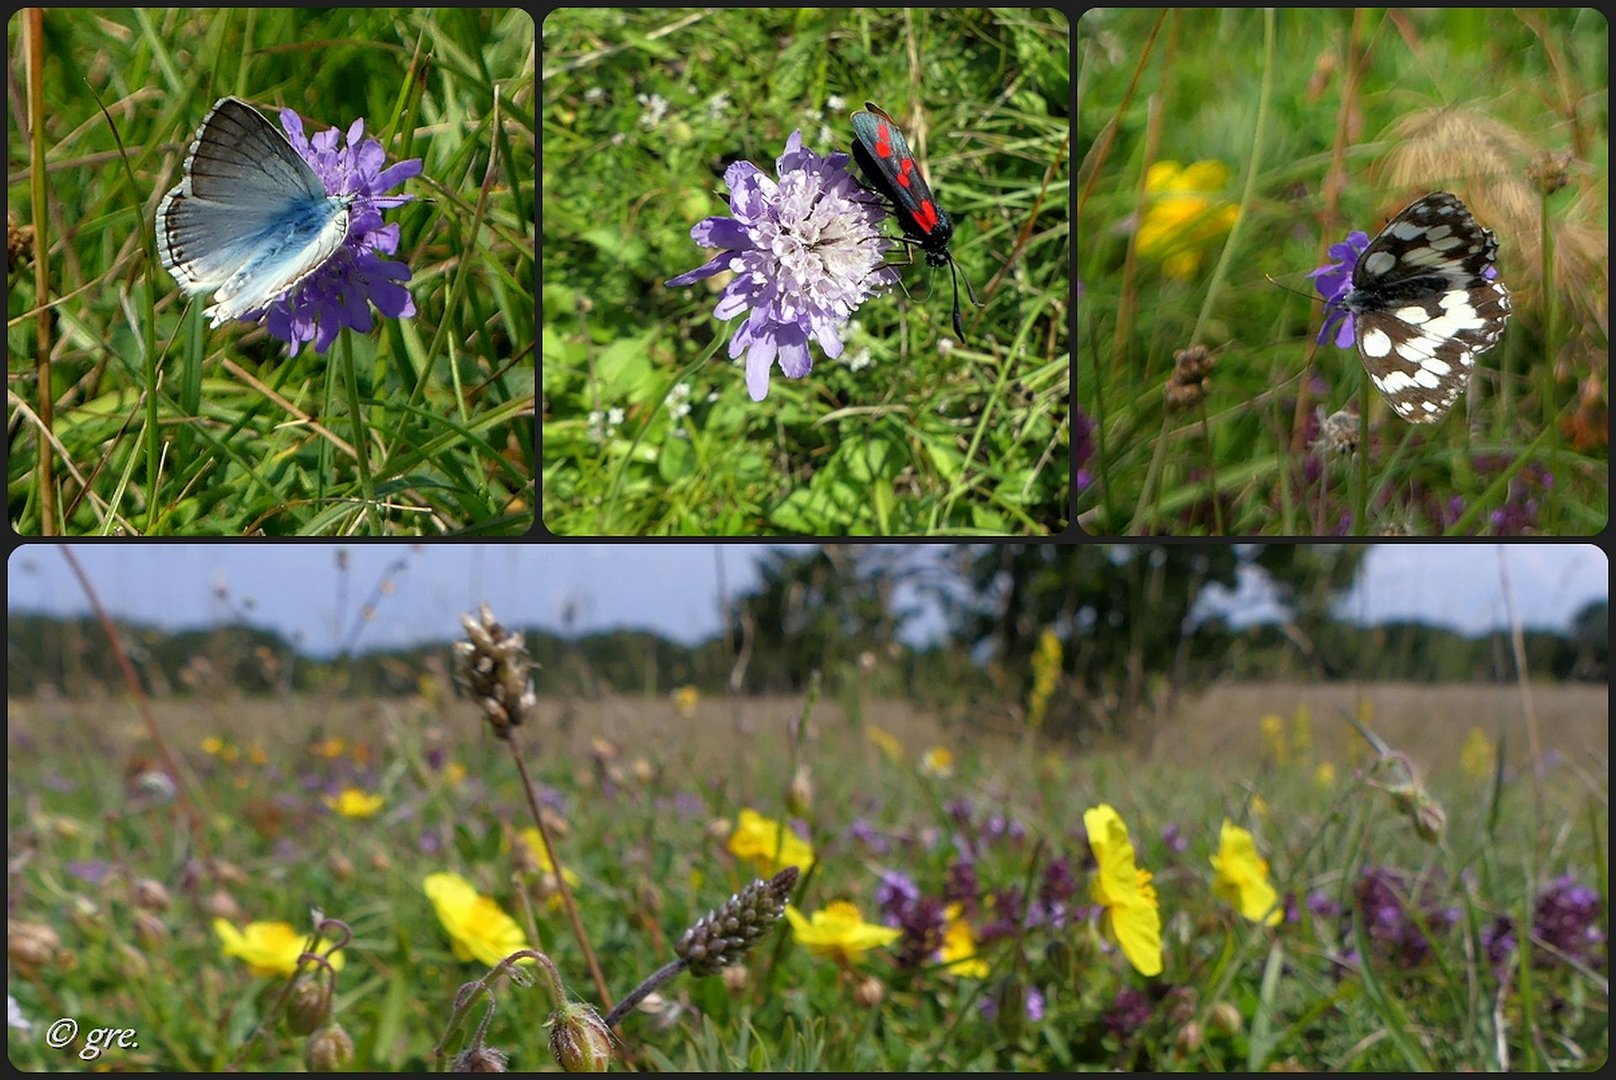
[806, 252]
[341, 291]
[1384, 903]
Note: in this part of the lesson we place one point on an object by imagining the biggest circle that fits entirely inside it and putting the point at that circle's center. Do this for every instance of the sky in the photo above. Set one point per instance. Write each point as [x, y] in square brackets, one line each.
[670, 588]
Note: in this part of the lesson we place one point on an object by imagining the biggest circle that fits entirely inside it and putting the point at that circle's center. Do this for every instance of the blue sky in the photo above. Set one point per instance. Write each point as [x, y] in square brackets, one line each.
[670, 587]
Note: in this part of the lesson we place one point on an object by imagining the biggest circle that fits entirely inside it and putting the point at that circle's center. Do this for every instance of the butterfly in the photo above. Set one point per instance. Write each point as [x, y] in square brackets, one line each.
[249, 219]
[1426, 301]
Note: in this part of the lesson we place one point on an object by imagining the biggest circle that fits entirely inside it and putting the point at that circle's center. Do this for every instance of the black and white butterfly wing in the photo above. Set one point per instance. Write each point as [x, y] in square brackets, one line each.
[1426, 302]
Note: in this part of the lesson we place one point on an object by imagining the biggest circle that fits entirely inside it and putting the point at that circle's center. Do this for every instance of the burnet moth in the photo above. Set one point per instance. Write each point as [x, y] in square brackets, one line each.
[890, 171]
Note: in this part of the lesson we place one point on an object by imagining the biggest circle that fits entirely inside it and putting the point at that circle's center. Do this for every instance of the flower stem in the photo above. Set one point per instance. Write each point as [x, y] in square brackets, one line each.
[641, 992]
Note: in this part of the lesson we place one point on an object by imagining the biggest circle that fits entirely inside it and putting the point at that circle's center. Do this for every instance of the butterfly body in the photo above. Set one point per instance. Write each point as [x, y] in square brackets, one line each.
[1426, 302]
[249, 220]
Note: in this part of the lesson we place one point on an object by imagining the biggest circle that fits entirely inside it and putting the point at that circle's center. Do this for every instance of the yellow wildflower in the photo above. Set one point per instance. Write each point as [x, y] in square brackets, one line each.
[269, 948]
[959, 947]
[1273, 736]
[478, 928]
[767, 846]
[353, 803]
[1183, 215]
[885, 741]
[1046, 671]
[1324, 775]
[685, 700]
[1479, 757]
[839, 931]
[938, 762]
[541, 860]
[1242, 877]
[1124, 890]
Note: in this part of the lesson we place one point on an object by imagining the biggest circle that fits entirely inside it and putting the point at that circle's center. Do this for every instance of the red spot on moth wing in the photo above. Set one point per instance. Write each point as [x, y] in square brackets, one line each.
[883, 141]
[926, 215]
[906, 171]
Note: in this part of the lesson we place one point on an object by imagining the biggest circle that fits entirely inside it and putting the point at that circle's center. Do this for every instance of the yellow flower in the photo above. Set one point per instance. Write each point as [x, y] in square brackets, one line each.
[1124, 890]
[1242, 877]
[1273, 736]
[1046, 670]
[839, 932]
[353, 803]
[1324, 775]
[769, 847]
[885, 741]
[269, 948]
[541, 858]
[477, 927]
[1183, 216]
[938, 762]
[1259, 807]
[959, 947]
[331, 748]
[213, 746]
[685, 700]
[1478, 758]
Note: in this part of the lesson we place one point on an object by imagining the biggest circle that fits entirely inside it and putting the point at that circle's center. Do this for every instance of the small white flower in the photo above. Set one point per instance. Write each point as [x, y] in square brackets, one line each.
[656, 107]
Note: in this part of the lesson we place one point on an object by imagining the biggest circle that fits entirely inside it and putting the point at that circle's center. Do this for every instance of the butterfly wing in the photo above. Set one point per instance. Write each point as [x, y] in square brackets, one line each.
[249, 218]
[1426, 304]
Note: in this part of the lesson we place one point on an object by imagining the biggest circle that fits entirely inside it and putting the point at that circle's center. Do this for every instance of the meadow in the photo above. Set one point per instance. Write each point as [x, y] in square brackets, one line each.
[1443, 911]
[648, 425]
[1225, 157]
[133, 417]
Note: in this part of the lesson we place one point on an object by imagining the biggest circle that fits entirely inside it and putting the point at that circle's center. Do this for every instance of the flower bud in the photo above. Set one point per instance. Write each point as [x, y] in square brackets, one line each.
[330, 1049]
[800, 793]
[309, 1007]
[1226, 1019]
[580, 1039]
[1429, 819]
[869, 992]
[1189, 1038]
[479, 1059]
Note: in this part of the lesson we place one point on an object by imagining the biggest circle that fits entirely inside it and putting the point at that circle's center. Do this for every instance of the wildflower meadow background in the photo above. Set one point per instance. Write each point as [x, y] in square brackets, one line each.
[803, 843]
[1222, 153]
[649, 428]
[148, 422]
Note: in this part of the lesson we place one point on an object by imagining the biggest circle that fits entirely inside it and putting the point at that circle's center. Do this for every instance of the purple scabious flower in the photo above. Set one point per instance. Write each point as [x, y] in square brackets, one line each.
[806, 252]
[341, 291]
[1334, 282]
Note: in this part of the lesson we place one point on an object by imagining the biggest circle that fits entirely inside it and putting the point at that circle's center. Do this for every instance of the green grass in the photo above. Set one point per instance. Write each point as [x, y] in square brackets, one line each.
[928, 438]
[160, 426]
[637, 828]
[1328, 122]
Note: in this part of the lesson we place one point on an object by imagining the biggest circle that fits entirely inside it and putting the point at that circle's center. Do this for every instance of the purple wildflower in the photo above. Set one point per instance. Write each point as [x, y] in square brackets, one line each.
[895, 893]
[961, 886]
[1173, 838]
[341, 291]
[1384, 903]
[924, 927]
[1128, 1012]
[1058, 884]
[1334, 282]
[1567, 918]
[869, 836]
[806, 252]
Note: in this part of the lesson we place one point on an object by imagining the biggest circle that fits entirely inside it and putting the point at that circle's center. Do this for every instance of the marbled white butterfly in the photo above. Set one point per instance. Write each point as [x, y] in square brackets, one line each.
[1425, 301]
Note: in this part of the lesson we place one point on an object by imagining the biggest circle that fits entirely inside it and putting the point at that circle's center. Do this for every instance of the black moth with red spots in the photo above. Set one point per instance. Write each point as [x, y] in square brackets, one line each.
[890, 171]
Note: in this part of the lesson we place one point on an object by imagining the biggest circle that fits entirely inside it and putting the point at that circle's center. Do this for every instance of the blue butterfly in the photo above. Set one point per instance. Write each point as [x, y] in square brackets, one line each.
[249, 219]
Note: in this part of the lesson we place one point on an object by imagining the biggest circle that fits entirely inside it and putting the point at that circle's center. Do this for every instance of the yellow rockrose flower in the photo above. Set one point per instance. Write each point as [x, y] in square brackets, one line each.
[478, 928]
[1185, 214]
[1242, 877]
[839, 932]
[771, 848]
[269, 948]
[1132, 916]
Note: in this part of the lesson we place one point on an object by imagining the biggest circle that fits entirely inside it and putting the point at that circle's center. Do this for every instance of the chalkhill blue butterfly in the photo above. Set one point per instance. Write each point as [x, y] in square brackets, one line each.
[249, 219]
